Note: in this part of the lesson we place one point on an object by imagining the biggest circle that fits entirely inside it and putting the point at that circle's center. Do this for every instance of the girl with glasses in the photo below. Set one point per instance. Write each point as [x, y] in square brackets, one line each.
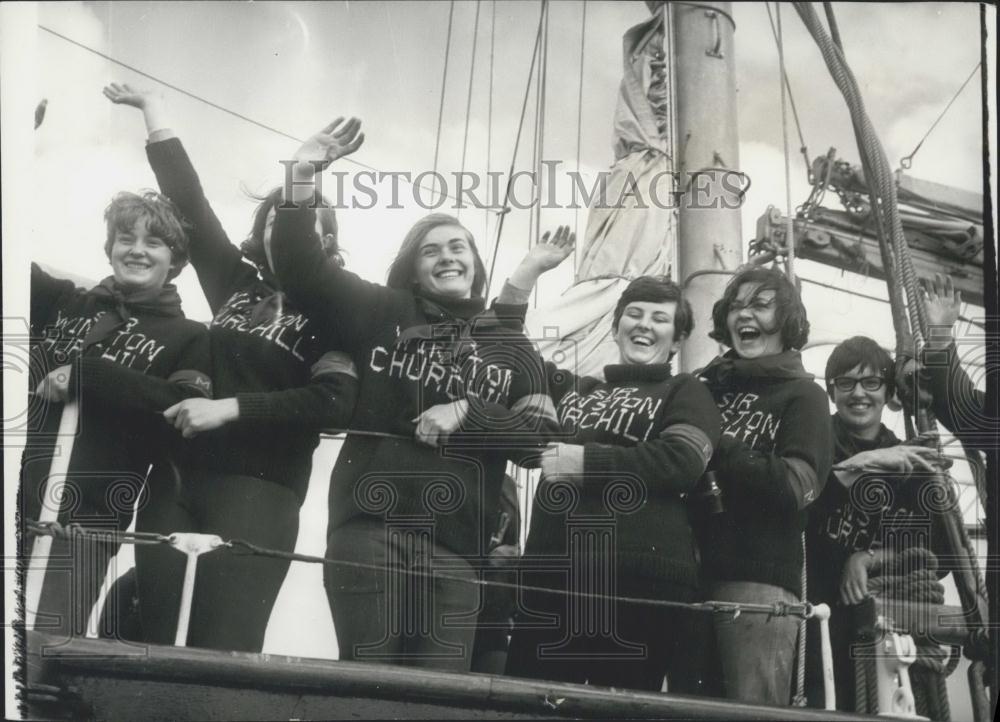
[878, 484]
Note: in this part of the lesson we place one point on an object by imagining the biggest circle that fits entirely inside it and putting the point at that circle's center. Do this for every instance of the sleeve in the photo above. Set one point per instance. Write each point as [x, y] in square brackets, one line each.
[530, 421]
[218, 263]
[561, 382]
[793, 475]
[105, 382]
[677, 458]
[327, 401]
[47, 295]
[352, 307]
[957, 403]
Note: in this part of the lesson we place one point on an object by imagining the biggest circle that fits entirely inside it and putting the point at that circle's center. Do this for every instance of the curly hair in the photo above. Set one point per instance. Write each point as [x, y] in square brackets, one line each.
[163, 220]
[400, 273]
[789, 311]
[657, 289]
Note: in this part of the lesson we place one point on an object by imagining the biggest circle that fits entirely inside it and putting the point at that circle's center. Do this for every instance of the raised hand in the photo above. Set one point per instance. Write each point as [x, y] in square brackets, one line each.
[545, 255]
[125, 94]
[943, 303]
[333, 142]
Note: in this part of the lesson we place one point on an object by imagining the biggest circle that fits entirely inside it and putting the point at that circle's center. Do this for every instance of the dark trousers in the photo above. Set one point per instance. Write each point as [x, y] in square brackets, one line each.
[608, 642]
[391, 602]
[233, 592]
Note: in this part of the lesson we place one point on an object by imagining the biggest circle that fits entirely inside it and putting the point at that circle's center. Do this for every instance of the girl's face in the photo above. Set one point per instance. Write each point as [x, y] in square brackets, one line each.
[752, 322]
[860, 409]
[445, 263]
[645, 333]
[139, 259]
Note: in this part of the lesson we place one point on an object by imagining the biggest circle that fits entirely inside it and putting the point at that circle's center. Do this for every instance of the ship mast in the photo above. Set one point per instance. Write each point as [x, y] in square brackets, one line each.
[707, 143]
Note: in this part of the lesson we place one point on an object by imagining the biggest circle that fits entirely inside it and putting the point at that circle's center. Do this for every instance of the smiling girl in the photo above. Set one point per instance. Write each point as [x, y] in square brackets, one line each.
[447, 390]
[124, 352]
[279, 380]
[771, 463]
[610, 500]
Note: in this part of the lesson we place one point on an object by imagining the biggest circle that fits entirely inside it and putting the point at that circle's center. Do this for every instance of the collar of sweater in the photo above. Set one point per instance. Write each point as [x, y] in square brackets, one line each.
[162, 301]
[438, 308]
[730, 368]
[847, 444]
[615, 373]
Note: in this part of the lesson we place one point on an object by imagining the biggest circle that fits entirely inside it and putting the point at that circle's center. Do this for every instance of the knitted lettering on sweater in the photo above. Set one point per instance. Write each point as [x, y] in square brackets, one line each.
[415, 352]
[647, 438]
[880, 510]
[772, 462]
[131, 357]
[268, 354]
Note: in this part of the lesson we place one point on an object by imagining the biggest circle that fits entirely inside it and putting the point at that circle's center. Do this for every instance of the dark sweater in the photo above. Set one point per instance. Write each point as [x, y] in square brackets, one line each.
[130, 360]
[647, 438]
[278, 364]
[772, 462]
[414, 352]
[844, 521]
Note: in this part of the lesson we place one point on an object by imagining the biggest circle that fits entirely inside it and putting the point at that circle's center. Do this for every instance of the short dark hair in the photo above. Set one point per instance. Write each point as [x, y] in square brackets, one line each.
[400, 273]
[789, 311]
[253, 246]
[163, 220]
[864, 352]
[657, 289]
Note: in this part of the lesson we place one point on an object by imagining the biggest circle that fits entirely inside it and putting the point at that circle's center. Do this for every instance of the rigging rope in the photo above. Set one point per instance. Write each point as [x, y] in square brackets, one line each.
[444, 82]
[468, 100]
[579, 123]
[517, 142]
[907, 161]
[775, 609]
[789, 218]
[211, 104]
[803, 148]
[489, 111]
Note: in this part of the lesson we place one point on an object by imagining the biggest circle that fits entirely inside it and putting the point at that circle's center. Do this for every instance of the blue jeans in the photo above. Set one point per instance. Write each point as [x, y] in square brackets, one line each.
[383, 613]
[756, 652]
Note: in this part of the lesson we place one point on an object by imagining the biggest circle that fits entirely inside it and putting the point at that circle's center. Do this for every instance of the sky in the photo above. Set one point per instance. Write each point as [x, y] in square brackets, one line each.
[294, 66]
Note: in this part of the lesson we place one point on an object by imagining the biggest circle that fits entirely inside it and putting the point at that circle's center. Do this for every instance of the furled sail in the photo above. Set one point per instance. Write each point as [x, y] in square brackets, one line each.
[631, 225]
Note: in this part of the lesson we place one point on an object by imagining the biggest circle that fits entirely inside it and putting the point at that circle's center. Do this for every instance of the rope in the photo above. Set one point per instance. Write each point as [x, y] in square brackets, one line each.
[444, 81]
[789, 220]
[513, 160]
[468, 100]
[579, 122]
[831, 20]
[906, 162]
[211, 104]
[489, 112]
[543, 73]
[803, 148]
[776, 609]
[799, 700]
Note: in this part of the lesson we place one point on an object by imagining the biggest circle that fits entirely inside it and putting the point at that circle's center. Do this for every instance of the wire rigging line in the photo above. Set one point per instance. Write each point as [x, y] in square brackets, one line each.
[789, 218]
[803, 147]
[579, 121]
[201, 99]
[907, 161]
[513, 159]
[468, 101]
[540, 86]
[444, 83]
[489, 113]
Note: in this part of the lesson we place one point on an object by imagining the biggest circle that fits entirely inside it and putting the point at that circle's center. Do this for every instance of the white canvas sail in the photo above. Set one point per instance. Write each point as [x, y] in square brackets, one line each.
[629, 232]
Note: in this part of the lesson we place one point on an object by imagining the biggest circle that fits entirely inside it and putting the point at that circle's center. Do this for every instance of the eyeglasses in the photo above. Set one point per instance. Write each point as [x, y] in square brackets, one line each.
[868, 383]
